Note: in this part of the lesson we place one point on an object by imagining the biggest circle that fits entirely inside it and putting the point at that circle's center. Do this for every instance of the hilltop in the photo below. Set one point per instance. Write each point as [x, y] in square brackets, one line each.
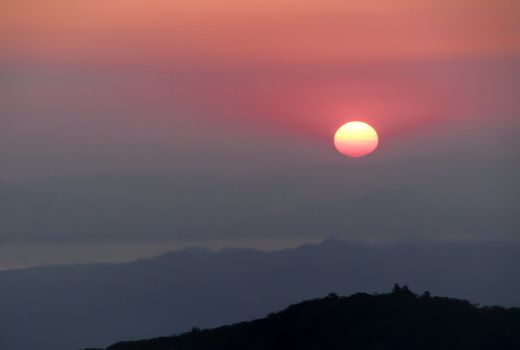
[398, 320]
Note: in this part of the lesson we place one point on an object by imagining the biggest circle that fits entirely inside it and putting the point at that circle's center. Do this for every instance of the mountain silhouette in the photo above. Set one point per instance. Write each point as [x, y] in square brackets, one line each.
[72, 307]
[398, 320]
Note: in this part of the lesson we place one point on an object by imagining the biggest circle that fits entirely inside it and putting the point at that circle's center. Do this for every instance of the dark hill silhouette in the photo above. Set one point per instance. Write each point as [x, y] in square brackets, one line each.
[99, 304]
[398, 320]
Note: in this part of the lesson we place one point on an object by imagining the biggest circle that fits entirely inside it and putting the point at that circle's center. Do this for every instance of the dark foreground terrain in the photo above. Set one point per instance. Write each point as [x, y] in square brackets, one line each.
[99, 304]
[398, 320]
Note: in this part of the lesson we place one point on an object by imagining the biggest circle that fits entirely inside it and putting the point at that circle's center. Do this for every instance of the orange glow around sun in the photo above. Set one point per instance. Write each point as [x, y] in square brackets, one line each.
[356, 139]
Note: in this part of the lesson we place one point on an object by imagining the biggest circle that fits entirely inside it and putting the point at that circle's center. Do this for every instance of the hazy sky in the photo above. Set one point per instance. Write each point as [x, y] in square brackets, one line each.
[125, 122]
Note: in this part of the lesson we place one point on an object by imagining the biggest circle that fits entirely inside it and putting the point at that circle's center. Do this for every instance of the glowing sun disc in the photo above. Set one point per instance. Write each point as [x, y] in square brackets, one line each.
[356, 139]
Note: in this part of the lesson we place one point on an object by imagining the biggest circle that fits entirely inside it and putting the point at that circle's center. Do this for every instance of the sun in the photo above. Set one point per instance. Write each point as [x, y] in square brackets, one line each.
[356, 139]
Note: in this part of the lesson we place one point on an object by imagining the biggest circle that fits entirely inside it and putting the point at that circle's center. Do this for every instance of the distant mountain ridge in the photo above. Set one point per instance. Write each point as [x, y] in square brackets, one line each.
[399, 320]
[99, 304]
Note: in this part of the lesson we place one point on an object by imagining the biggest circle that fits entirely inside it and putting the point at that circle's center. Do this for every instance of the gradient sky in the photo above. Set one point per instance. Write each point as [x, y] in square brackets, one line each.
[142, 123]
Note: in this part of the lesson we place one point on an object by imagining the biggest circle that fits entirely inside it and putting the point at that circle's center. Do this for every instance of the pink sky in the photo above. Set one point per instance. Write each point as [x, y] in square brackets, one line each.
[191, 118]
[258, 31]
[296, 65]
